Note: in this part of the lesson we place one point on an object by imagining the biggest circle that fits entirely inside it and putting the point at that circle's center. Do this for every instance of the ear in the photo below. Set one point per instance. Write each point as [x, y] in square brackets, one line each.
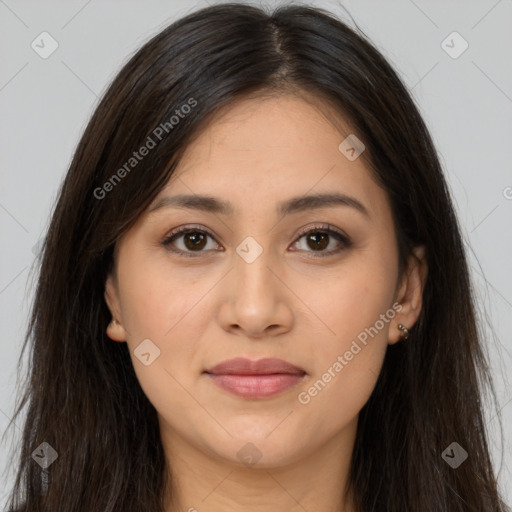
[410, 293]
[115, 330]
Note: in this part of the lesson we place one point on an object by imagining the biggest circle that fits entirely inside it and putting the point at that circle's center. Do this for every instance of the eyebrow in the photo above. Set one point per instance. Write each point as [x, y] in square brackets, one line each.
[294, 205]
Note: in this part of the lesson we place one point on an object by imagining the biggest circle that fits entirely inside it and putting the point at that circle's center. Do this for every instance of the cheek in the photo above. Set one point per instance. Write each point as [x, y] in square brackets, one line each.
[347, 362]
[169, 307]
[167, 313]
[351, 299]
[346, 366]
[156, 301]
[334, 397]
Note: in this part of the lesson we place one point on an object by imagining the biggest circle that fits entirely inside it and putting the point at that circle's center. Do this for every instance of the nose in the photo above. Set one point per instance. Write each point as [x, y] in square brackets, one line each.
[256, 301]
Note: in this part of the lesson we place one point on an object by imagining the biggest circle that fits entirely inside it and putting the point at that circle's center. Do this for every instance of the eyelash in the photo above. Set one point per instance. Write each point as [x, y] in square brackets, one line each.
[327, 229]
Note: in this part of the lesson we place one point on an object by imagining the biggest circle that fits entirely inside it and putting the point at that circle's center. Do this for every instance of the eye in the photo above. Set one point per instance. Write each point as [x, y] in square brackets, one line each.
[318, 238]
[188, 240]
[191, 240]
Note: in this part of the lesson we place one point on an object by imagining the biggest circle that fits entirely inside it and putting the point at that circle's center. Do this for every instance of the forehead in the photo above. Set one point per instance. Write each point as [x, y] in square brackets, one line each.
[262, 150]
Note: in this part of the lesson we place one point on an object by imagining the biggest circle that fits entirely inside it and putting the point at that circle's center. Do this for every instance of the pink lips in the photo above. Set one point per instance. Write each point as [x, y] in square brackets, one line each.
[255, 379]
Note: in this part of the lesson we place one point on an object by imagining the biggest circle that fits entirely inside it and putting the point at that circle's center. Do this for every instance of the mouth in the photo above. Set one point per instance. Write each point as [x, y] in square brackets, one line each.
[255, 379]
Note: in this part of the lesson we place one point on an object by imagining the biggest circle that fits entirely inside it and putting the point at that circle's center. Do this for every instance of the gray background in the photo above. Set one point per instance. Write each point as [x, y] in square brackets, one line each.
[466, 101]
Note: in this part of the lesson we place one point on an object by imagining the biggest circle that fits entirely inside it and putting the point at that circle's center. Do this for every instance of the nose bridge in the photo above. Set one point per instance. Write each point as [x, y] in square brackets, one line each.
[252, 267]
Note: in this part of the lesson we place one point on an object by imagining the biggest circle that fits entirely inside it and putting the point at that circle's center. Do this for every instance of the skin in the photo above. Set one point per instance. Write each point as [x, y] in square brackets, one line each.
[289, 303]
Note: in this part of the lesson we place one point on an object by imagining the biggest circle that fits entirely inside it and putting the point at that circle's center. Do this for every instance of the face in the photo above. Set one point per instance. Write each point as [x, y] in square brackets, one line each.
[312, 282]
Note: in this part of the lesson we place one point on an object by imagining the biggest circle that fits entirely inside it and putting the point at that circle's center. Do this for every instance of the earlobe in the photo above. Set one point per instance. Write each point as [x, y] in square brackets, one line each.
[115, 330]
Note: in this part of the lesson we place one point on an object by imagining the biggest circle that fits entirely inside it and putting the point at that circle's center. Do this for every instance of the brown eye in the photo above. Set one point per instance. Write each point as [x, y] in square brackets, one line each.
[191, 241]
[187, 241]
[318, 239]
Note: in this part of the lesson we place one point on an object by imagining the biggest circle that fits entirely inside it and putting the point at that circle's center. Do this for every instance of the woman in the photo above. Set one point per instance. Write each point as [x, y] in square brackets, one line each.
[253, 291]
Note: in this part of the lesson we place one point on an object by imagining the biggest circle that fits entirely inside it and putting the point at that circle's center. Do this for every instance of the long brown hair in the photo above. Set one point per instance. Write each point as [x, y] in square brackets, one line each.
[82, 395]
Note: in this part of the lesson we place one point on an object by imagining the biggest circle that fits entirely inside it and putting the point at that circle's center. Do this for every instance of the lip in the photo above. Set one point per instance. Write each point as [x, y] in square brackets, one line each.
[255, 379]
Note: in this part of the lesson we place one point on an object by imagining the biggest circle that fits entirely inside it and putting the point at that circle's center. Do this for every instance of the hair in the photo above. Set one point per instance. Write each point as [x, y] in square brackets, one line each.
[81, 392]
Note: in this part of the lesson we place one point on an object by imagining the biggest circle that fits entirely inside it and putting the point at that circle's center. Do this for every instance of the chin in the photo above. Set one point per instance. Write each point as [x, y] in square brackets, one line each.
[260, 451]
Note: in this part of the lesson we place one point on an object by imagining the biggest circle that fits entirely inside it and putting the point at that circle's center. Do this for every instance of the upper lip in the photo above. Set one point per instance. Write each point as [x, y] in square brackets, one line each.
[266, 366]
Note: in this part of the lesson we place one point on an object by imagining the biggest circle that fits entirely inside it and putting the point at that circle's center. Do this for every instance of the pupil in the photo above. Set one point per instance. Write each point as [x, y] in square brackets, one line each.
[320, 239]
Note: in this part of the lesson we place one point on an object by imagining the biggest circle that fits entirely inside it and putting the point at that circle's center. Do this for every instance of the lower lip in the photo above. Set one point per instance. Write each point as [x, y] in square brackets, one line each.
[256, 386]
